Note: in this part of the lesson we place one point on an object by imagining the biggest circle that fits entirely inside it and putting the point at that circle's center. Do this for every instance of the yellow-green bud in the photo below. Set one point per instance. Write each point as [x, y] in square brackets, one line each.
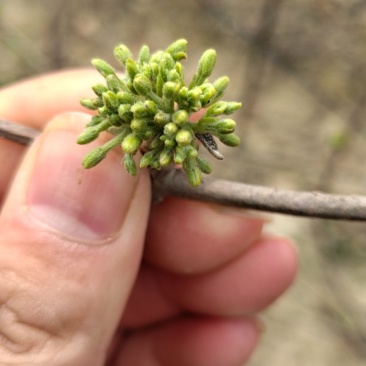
[130, 144]
[204, 165]
[139, 110]
[161, 118]
[142, 85]
[99, 89]
[208, 92]
[230, 139]
[151, 107]
[129, 164]
[178, 49]
[180, 117]
[183, 137]
[91, 133]
[122, 54]
[232, 107]
[216, 109]
[193, 172]
[110, 100]
[206, 64]
[89, 104]
[103, 67]
[170, 129]
[165, 157]
[169, 89]
[179, 154]
[225, 126]
[125, 98]
[112, 82]
[93, 158]
[194, 94]
[131, 68]
[221, 84]
[95, 121]
[169, 142]
[124, 108]
[138, 125]
[144, 54]
[147, 159]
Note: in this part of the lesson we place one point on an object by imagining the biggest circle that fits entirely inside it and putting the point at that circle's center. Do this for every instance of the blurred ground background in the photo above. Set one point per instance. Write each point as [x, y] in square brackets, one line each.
[299, 67]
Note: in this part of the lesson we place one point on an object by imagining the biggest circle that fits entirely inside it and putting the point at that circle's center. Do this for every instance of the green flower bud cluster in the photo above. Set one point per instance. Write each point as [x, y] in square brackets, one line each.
[149, 110]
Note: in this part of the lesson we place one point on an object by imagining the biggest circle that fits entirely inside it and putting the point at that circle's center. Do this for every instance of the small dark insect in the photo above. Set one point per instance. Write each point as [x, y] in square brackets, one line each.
[210, 144]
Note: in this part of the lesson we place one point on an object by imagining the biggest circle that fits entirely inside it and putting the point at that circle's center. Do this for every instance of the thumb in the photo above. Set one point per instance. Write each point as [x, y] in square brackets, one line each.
[70, 245]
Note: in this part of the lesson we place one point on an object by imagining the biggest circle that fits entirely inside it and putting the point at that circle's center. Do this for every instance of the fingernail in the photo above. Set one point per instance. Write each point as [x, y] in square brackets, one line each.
[85, 205]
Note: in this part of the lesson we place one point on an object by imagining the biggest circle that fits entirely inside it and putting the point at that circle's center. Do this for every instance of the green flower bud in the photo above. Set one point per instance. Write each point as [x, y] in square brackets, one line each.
[104, 111]
[183, 137]
[123, 109]
[166, 63]
[144, 54]
[179, 154]
[131, 68]
[193, 172]
[225, 126]
[170, 129]
[91, 104]
[195, 106]
[161, 118]
[208, 92]
[206, 65]
[114, 120]
[131, 144]
[142, 85]
[165, 157]
[99, 89]
[98, 154]
[183, 93]
[155, 57]
[204, 165]
[129, 164]
[169, 142]
[230, 139]
[174, 76]
[95, 121]
[150, 107]
[122, 54]
[170, 89]
[232, 107]
[194, 94]
[110, 100]
[217, 109]
[138, 125]
[180, 117]
[93, 158]
[191, 152]
[125, 98]
[147, 71]
[91, 133]
[113, 83]
[178, 49]
[221, 84]
[147, 159]
[103, 67]
[139, 110]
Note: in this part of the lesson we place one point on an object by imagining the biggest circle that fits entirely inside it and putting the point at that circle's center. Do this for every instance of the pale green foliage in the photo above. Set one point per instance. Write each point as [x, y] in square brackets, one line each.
[151, 106]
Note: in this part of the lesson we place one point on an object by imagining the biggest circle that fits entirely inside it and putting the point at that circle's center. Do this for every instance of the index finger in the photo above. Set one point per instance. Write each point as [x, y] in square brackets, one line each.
[33, 102]
[36, 100]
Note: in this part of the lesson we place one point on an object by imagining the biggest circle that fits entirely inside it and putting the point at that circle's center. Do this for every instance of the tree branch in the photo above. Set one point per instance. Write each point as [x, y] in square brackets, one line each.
[173, 182]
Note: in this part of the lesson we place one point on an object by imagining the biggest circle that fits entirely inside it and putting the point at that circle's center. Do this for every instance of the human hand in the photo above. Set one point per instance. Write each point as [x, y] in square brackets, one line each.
[89, 275]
